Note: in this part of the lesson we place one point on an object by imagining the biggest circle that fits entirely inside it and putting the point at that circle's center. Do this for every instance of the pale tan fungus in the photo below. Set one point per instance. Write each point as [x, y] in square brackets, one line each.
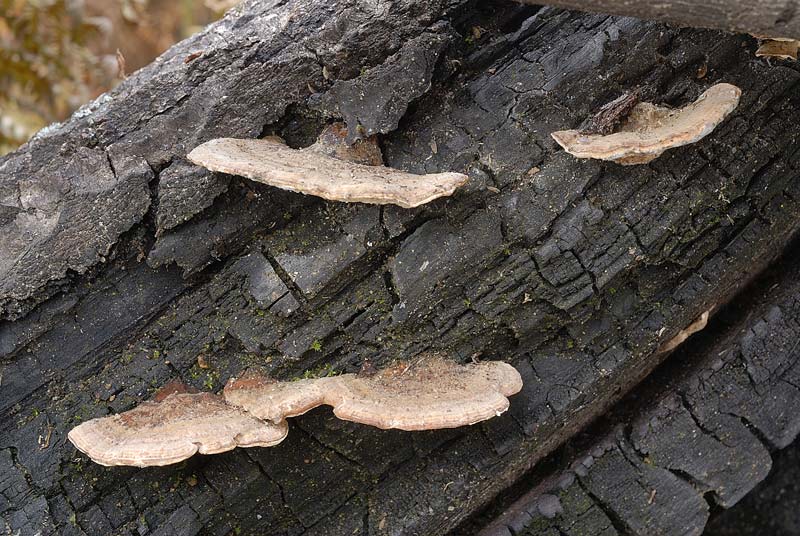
[326, 169]
[427, 394]
[649, 130]
[698, 324]
[169, 431]
[784, 49]
[274, 400]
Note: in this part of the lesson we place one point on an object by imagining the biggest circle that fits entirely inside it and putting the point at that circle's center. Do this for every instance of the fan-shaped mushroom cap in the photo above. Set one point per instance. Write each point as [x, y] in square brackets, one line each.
[650, 130]
[311, 172]
[165, 432]
[272, 400]
[429, 394]
[434, 393]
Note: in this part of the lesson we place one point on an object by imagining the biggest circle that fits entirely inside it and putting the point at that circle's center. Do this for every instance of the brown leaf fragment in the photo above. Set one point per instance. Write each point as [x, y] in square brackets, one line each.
[193, 56]
[165, 432]
[172, 387]
[649, 130]
[333, 142]
[310, 172]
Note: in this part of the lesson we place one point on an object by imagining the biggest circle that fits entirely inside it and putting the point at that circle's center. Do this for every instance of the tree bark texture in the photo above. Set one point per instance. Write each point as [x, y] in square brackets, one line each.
[772, 18]
[122, 264]
[699, 433]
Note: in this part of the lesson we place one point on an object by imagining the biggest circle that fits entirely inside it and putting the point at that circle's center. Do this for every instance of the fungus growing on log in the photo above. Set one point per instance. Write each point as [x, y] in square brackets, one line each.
[428, 394]
[171, 430]
[315, 171]
[649, 130]
[698, 324]
[272, 400]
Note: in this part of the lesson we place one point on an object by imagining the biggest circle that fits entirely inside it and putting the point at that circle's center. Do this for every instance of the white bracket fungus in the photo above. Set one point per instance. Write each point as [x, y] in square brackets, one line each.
[649, 130]
[428, 394]
[333, 174]
[173, 429]
[698, 324]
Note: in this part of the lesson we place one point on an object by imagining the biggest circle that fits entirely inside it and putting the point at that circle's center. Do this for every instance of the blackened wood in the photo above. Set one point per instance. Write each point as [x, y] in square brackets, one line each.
[574, 271]
[773, 18]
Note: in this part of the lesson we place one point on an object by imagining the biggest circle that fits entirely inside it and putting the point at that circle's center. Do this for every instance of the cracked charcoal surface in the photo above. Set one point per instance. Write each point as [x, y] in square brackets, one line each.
[683, 444]
[184, 190]
[577, 287]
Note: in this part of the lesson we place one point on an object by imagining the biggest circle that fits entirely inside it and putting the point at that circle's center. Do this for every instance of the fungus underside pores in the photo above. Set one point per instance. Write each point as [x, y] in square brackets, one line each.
[430, 392]
[649, 130]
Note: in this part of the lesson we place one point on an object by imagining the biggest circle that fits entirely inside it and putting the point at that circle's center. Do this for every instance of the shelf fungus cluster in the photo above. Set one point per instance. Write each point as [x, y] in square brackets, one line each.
[649, 130]
[428, 393]
[324, 170]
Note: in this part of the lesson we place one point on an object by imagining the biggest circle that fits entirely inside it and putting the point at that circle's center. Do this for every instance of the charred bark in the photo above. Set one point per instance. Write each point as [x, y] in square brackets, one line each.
[692, 440]
[122, 263]
[769, 18]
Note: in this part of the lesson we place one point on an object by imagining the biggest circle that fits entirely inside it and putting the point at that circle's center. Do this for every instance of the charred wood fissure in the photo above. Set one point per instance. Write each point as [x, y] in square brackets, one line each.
[708, 421]
[575, 271]
[771, 18]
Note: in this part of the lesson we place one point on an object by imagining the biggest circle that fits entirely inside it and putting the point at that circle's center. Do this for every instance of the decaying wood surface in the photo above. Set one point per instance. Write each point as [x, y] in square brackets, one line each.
[776, 18]
[124, 266]
[698, 433]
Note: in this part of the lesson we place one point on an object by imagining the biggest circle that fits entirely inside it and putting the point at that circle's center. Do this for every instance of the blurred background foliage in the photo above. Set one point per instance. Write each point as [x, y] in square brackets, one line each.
[56, 55]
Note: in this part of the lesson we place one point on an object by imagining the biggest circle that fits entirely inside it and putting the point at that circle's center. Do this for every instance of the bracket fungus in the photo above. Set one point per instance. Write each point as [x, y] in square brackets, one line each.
[698, 324]
[172, 429]
[778, 47]
[649, 130]
[273, 400]
[333, 174]
[428, 394]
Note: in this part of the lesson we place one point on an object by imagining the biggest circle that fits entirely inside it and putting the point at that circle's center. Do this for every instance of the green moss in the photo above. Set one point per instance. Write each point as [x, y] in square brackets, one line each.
[323, 371]
[208, 383]
[316, 345]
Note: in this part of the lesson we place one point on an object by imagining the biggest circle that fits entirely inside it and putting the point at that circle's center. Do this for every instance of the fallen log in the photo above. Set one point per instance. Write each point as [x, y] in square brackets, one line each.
[125, 267]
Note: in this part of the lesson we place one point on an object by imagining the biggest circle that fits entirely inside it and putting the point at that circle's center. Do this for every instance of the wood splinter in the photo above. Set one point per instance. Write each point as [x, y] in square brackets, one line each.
[318, 171]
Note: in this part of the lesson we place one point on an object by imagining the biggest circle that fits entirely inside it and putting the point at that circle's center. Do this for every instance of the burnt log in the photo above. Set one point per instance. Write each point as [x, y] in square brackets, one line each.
[690, 442]
[769, 18]
[124, 267]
